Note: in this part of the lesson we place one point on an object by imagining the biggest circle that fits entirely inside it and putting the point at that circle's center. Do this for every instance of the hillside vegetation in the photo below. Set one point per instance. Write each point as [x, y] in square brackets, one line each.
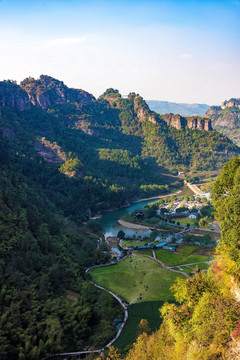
[64, 156]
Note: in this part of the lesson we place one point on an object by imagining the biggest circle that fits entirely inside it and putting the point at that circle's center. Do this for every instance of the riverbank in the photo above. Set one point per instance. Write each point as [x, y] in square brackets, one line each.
[132, 225]
[99, 215]
[144, 227]
[177, 229]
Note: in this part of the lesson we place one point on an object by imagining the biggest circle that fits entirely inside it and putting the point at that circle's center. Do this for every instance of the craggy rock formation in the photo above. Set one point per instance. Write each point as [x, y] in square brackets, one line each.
[11, 95]
[176, 121]
[143, 113]
[232, 103]
[226, 118]
[47, 92]
[199, 123]
[142, 110]
[192, 122]
[51, 153]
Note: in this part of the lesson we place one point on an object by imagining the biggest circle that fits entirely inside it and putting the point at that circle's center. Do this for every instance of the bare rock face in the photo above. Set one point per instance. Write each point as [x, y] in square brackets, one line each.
[196, 122]
[140, 107]
[142, 110]
[176, 121]
[47, 91]
[192, 122]
[11, 95]
[50, 152]
[86, 127]
[232, 103]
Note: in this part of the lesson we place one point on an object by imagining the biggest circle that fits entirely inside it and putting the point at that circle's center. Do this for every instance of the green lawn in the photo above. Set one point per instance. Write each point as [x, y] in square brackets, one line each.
[192, 222]
[194, 259]
[189, 269]
[144, 252]
[126, 243]
[136, 279]
[183, 255]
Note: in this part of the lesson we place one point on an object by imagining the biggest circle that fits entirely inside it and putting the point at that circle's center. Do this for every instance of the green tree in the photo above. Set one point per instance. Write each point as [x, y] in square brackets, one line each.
[121, 234]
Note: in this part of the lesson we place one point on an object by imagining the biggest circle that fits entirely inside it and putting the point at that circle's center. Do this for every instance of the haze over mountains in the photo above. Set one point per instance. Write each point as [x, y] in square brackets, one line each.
[184, 109]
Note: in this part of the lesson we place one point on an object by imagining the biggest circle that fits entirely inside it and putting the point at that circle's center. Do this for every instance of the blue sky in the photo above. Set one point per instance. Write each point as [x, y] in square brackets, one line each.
[183, 51]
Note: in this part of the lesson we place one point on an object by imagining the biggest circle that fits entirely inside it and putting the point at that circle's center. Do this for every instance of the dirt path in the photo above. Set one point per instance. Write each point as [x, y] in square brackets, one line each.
[194, 188]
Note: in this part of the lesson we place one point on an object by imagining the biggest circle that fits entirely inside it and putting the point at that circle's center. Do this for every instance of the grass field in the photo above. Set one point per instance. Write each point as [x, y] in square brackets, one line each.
[128, 279]
[148, 310]
[191, 222]
[183, 255]
[144, 252]
[126, 243]
[136, 279]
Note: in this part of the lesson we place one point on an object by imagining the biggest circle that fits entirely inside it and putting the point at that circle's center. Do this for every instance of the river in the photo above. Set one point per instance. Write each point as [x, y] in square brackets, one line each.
[109, 219]
[111, 227]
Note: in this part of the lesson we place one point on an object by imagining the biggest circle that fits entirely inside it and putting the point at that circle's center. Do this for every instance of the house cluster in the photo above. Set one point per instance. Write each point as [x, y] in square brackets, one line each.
[181, 209]
[184, 215]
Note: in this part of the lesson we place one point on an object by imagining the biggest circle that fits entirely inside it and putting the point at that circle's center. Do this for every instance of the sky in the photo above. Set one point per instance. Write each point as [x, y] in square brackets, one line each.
[181, 51]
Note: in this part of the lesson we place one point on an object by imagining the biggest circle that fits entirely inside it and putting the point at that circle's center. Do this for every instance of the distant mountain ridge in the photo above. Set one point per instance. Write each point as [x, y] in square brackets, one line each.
[184, 109]
[57, 120]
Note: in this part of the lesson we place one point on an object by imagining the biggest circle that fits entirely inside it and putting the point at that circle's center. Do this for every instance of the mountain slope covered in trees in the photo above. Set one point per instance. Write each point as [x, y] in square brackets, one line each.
[65, 155]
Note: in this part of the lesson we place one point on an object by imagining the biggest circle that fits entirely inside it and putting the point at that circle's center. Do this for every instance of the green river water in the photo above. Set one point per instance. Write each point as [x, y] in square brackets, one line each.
[111, 226]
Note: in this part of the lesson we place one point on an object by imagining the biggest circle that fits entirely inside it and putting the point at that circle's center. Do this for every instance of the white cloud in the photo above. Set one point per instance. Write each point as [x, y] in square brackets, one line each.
[185, 56]
[66, 41]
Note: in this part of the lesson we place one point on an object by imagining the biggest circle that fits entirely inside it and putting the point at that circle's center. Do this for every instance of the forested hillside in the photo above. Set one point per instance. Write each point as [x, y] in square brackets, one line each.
[64, 156]
[42, 259]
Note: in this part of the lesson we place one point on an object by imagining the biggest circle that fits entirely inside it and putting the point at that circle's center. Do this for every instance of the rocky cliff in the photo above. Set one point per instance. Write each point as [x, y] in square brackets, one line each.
[226, 119]
[191, 122]
[143, 113]
[11, 95]
[47, 92]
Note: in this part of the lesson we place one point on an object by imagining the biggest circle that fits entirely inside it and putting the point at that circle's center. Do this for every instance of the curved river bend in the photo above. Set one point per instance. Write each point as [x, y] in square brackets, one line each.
[111, 227]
